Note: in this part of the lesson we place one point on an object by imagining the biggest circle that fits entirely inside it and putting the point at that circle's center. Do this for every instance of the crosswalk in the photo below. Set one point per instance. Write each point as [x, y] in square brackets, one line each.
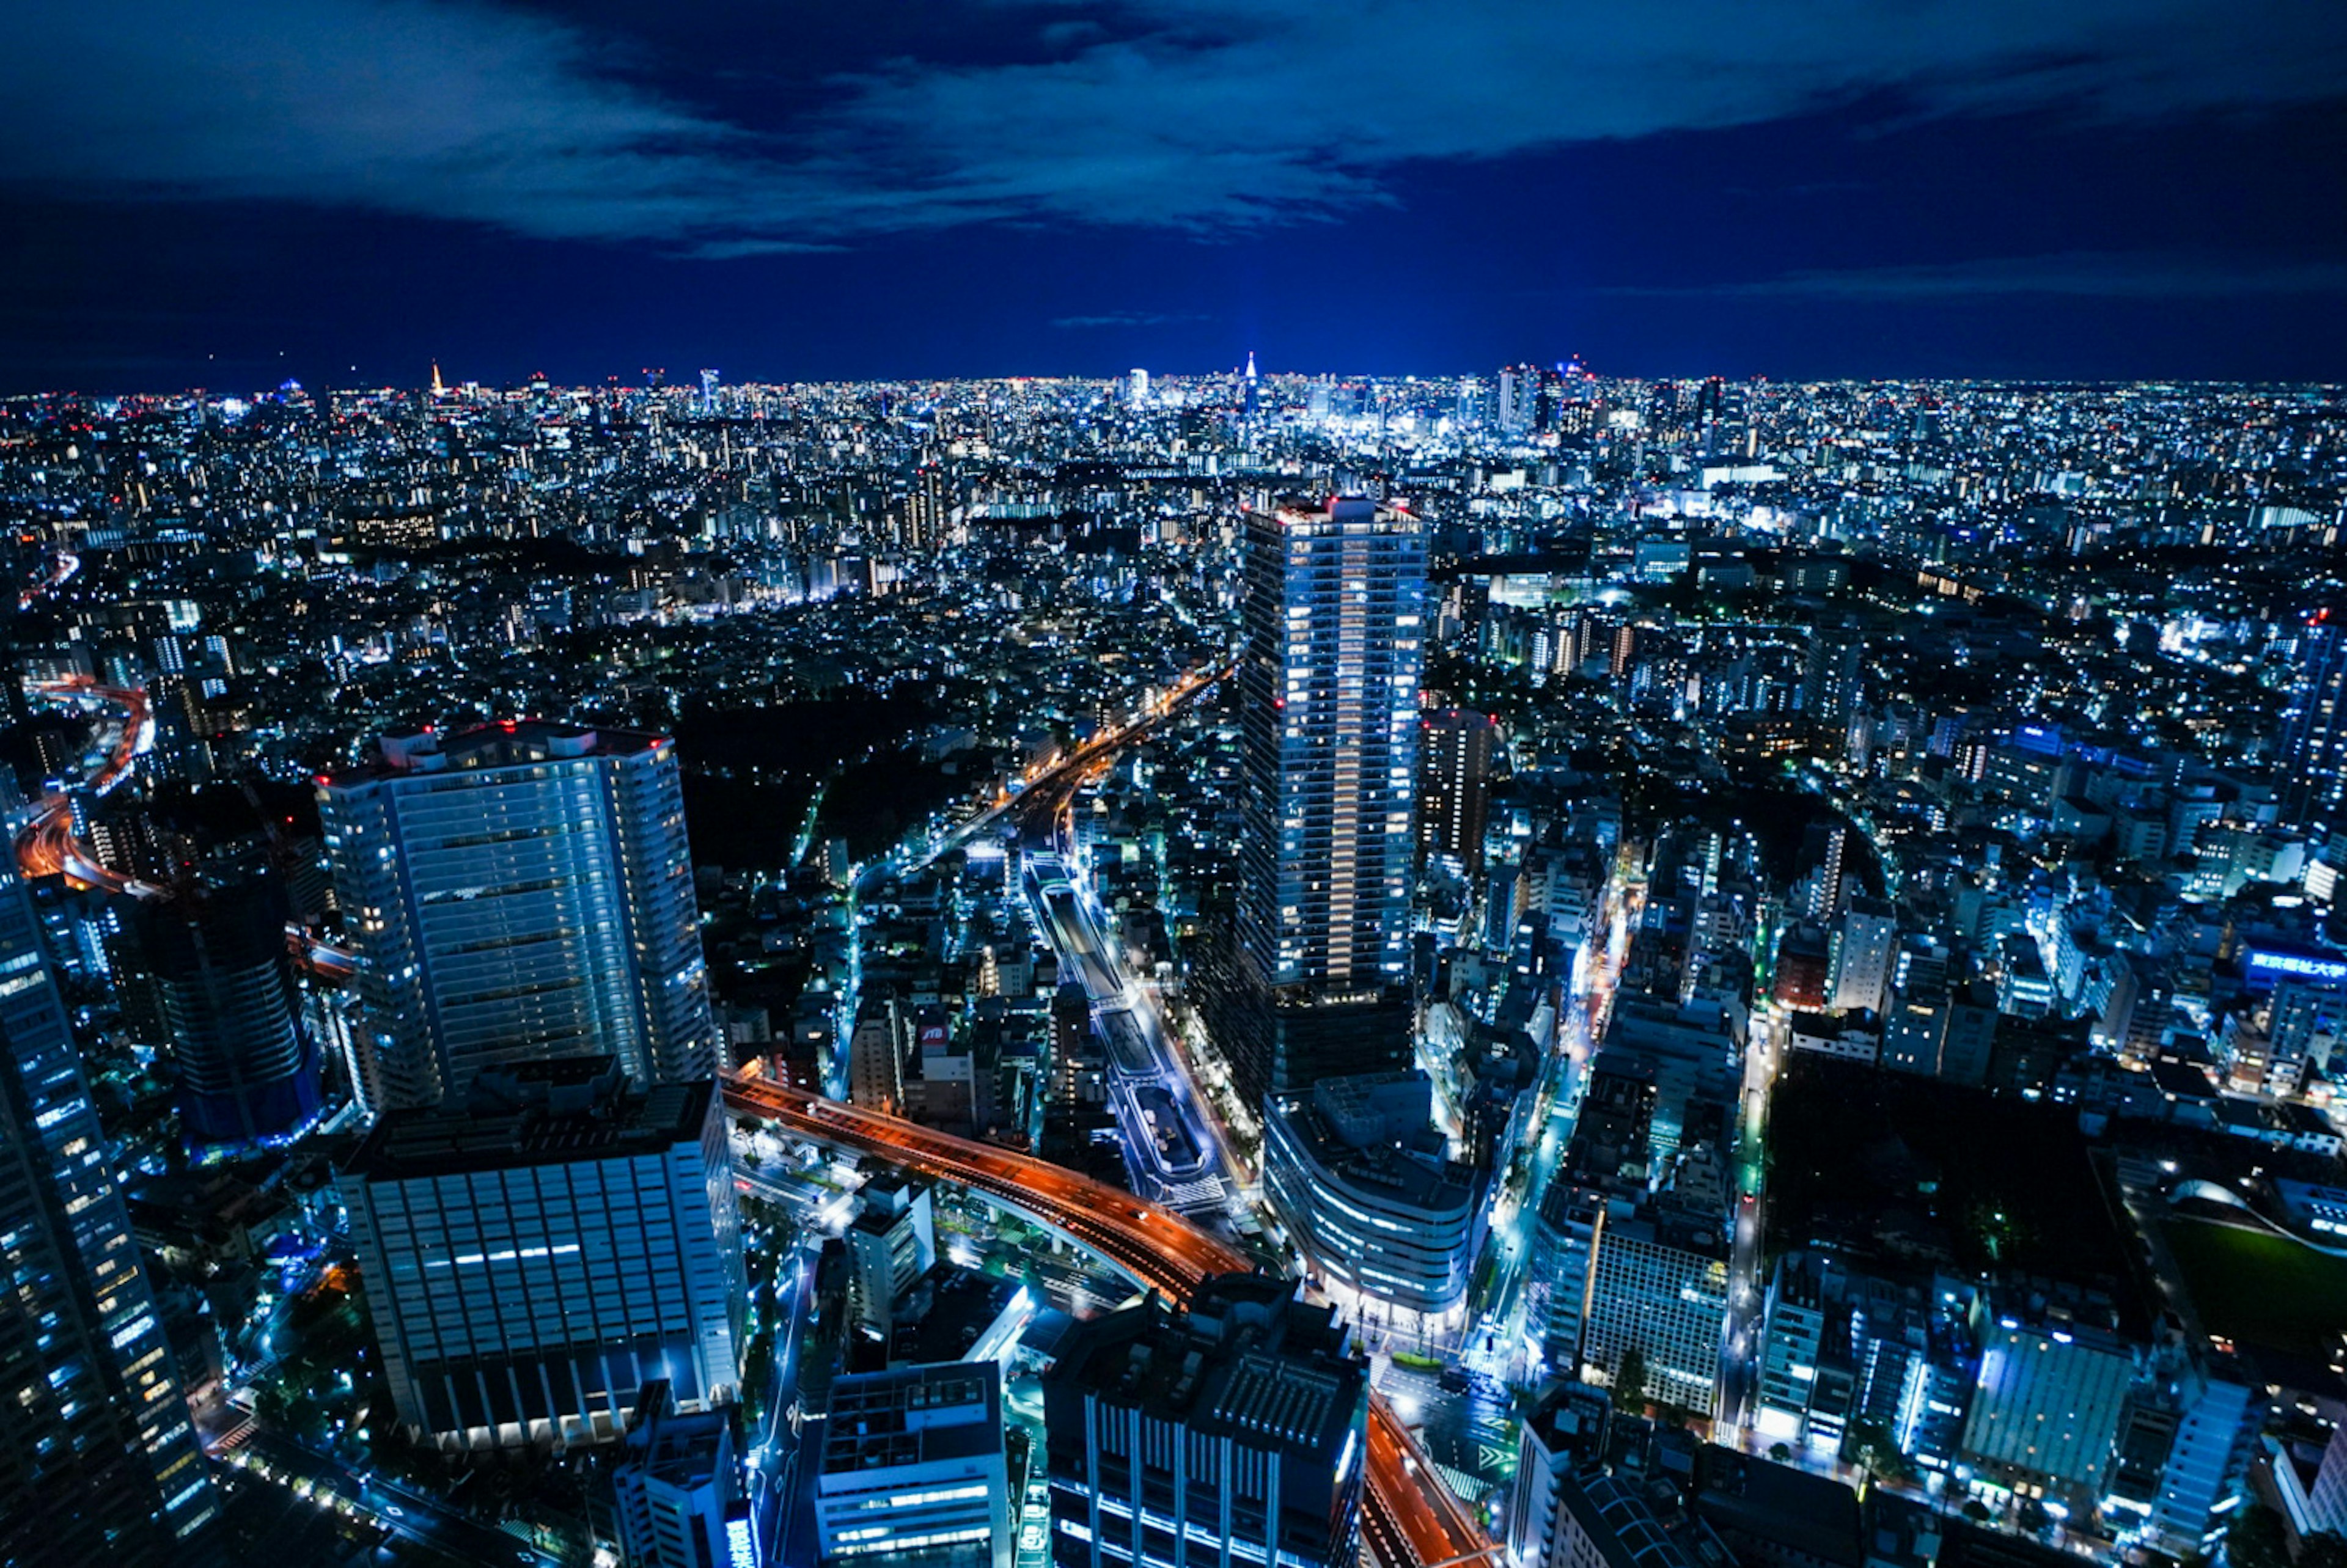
[1204, 1196]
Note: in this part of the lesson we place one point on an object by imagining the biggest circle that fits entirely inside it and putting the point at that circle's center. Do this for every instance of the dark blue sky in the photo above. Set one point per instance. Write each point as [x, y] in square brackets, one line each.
[222, 192]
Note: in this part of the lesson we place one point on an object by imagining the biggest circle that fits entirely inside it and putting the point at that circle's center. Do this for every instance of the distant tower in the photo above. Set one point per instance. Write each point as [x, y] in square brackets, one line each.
[519, 891]
[1137, 387]
[1251, 388]
[2314, 725]
[1454, 790]
[708, 392]
[437, 390]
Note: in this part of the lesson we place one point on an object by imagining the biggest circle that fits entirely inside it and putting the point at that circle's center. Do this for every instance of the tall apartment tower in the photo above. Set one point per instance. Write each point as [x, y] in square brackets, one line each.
[99, 1458]
[1335, 643]
[518, 892]
[247, 1066]
[540, 1252]
[2314, 726]
[1454, 792]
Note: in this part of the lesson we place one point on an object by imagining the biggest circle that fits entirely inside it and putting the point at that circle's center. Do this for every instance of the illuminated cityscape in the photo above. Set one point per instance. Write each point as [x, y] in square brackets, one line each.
[1689, 921]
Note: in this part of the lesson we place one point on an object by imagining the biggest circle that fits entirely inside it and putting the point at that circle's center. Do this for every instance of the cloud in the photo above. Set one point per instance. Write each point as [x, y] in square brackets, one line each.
[2110, 275]
[1126, 319]
[1198, 115]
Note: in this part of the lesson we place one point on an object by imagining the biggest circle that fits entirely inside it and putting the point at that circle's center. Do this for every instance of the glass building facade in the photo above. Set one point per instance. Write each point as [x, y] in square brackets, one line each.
[99, 1458]
[518, 893]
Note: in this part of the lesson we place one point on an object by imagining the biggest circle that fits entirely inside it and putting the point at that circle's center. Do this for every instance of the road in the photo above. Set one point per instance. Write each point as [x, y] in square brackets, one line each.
[1049, 785]
[1410, 1518]
[1168, 1137]
[331, 1484]
[1740, 1342]
[47, 846]
[1548, 1128]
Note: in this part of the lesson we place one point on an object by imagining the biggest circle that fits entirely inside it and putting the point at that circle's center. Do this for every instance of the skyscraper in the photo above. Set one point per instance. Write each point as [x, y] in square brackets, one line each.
[1454, 794]
[98, 1459]
[538, 1254]
[1328, 691]
[518, 892]
[248, 1069]
[2314, 726]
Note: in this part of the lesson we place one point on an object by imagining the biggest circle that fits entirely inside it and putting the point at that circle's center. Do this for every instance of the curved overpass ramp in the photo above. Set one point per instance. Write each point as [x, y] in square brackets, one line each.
[1410, 1519]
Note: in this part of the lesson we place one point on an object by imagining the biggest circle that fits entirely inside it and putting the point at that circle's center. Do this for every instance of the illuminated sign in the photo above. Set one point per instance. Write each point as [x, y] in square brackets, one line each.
[2264, 965]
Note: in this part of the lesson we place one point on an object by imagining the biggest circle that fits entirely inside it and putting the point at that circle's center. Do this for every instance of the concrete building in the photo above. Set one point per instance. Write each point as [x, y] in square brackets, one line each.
[1232, 1434]
[1864, 950]
[677, 1490]
[1357, 1173]
[1454, 792]
[518, 892]
[891, 1244]
[913, 1473]
[1659, 1286]
[248, 1069]
[2046, 1413]
[538, 1254]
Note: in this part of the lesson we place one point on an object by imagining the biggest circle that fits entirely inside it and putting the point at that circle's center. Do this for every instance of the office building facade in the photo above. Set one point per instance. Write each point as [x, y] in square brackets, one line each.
[1376, 1209]
[1334, 645]
[1231, 1435]
[1658, 1288]
[1454, 792]
[99, 1458]
[518, 892]
[538, 1255]
[247, 1066]
[676, 1492]
[914, 1473]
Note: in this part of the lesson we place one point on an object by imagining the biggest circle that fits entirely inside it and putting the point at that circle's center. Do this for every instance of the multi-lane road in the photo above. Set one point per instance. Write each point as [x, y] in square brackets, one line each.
[47, 846]
[1411, 1520]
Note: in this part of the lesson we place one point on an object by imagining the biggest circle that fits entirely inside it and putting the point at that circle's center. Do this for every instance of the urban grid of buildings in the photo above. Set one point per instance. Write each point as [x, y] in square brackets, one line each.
[1283, 971]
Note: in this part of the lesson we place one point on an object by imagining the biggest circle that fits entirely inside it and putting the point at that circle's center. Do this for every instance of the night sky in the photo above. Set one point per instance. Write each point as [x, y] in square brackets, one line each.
[227, 192]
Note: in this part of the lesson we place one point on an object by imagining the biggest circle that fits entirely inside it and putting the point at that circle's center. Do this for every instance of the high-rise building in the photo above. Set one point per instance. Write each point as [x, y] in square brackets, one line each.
[248, 1069]
[2314, 726]
[518, 892]
[914, 1473]
[1864, 950]
[876, 1057]
[1561, 1437]
[892, 1244]
[677, 1488]
[1657, 1298]
[1328, 688]
[1454, 792]
[1233, 1432]
[99, 1458]
[538, 1252]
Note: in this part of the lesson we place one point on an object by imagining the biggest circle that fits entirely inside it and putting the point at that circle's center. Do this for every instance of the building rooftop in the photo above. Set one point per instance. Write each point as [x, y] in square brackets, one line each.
[535, 1114]
[506, 743]
[913, 1415]
[1248, 1361]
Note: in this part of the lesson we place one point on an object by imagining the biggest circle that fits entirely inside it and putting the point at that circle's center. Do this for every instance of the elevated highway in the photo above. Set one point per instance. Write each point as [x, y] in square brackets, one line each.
[1410, 1519]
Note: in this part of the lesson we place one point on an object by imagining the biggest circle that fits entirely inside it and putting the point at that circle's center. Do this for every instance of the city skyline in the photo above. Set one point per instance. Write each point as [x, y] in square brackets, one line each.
[2051, 191]
[990, 783]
